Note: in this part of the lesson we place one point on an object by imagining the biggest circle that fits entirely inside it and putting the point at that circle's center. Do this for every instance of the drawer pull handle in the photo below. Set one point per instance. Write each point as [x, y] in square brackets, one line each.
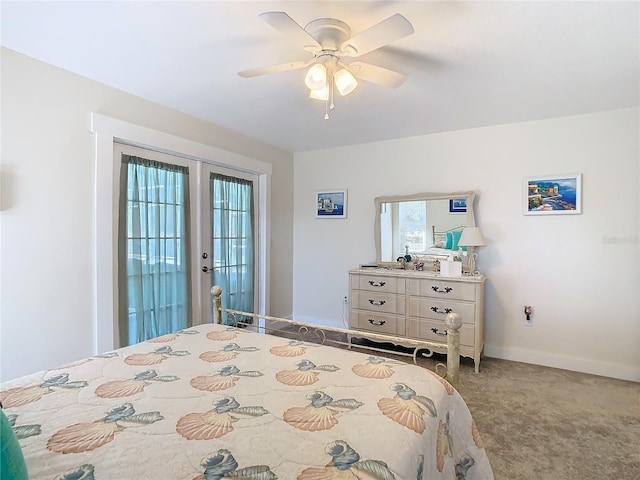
[444, 311]
[378, 302]
[437, 332]
[377, 323]
[436, 288]
[377, 284]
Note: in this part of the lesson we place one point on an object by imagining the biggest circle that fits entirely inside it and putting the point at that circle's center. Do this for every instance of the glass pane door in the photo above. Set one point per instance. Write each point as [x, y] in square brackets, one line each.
[230, 238]
[155, 244]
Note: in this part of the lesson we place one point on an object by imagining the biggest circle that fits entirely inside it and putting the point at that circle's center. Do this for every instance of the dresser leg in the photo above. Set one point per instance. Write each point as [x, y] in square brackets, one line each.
[476, 362]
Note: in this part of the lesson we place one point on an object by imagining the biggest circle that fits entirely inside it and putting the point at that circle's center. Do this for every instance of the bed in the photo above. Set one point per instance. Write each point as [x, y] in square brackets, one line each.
[216, 401]
[445, 241]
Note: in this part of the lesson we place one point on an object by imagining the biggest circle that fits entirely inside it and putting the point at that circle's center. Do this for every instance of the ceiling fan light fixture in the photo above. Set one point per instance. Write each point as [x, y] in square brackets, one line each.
[316, 77]
[345, 81]
[320, 93]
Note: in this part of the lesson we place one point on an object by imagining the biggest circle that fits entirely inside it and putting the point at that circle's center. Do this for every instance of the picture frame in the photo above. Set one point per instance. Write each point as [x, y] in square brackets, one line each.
[331, 203]
[553, 195]
[457, 205]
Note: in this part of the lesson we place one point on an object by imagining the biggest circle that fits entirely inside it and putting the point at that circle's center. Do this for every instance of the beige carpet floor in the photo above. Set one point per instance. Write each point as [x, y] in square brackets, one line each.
[540, 423]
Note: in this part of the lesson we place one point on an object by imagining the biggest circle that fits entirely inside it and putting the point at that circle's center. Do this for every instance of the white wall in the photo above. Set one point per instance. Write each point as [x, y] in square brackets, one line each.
[46, 215]
[579, 272]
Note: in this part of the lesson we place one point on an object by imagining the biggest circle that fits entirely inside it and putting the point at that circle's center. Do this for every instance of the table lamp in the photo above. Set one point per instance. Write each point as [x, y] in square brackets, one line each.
[472, 237]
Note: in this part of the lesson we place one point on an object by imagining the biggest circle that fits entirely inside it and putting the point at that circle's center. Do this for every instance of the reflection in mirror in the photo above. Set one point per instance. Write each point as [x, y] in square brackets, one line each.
[426, 225]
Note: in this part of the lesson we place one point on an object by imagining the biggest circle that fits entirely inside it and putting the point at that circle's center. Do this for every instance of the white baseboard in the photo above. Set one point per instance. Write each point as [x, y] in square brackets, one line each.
[321, 322]
[576, 364]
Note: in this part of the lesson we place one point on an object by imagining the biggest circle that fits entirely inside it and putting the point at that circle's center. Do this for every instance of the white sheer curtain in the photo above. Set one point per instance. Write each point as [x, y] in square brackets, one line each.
[233, 241]
[153, 258]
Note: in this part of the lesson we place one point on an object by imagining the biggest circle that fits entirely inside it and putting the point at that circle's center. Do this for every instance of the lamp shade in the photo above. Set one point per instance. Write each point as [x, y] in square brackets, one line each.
[471, 237]
[316, 77]
[345, 81]
[320, 93]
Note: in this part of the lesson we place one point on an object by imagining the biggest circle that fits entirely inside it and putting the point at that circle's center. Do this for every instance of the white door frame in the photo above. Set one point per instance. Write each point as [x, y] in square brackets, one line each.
[108, 130]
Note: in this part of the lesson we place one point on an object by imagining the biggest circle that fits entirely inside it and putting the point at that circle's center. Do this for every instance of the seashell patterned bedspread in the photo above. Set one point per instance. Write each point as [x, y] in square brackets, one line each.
[214, 402]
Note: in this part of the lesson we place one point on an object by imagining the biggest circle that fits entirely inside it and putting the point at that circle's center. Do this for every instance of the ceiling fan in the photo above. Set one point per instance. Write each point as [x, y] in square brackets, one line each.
[330, 42]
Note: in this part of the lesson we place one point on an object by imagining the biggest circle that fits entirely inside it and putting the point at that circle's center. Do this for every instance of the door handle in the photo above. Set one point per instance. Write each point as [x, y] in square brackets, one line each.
[206, 269]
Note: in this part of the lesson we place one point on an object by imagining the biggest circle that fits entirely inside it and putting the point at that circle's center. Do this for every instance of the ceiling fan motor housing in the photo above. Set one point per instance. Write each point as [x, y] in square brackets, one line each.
[329, 32]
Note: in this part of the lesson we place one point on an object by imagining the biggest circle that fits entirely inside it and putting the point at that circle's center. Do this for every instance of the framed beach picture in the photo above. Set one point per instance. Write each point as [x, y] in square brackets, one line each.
[457, 205]
[553, 195]
[331, 204]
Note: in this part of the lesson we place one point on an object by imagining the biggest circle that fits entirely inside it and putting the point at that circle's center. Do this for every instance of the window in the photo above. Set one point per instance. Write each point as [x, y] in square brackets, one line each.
[412, 220]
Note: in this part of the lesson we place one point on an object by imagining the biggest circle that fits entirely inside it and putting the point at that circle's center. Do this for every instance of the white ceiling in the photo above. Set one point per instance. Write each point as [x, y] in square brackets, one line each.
[469, 64]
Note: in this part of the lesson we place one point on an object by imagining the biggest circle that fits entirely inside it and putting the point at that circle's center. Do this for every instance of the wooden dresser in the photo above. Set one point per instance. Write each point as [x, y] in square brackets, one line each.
[413, 304]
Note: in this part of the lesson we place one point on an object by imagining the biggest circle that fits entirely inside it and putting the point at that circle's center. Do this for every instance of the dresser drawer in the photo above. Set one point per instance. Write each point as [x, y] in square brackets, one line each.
[412, 304]
[423, 329]
[378, 302]
[438, 309]
[375, 283]
[378, 322]
[442, 289]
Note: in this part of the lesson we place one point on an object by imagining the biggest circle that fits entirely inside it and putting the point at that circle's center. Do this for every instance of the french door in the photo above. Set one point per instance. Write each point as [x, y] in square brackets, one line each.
[184, 225]
[229, 239]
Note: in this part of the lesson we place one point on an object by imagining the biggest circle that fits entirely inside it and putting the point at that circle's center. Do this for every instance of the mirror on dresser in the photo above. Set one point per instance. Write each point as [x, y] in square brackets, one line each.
[418, 225]
[413, 304]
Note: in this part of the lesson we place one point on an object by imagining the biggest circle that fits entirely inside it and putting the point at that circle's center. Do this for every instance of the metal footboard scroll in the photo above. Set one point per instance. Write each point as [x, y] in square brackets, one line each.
[270, 324]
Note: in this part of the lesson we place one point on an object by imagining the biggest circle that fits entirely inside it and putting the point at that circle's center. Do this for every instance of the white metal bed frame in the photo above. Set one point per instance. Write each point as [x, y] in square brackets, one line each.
[441, 236]
[452, 347]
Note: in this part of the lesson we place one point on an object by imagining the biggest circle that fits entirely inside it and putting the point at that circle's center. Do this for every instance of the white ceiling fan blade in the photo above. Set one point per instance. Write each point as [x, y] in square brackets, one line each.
[380, 34]
[287, 25]
[283, 67]
[378, 75]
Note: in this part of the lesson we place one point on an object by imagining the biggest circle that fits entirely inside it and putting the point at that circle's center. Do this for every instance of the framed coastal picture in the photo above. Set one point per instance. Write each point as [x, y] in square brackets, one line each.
[331, 203]
[457, 205]
[553, 195]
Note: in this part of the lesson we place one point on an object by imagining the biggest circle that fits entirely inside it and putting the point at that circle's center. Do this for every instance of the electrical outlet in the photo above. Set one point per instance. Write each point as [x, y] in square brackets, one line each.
[528, 316]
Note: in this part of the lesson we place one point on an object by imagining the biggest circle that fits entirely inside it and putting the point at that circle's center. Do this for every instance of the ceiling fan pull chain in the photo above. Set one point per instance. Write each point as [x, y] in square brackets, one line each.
[332, 83]
[329, 96]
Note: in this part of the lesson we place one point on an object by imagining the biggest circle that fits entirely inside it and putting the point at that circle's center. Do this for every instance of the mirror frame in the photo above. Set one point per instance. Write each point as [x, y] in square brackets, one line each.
[378, 201]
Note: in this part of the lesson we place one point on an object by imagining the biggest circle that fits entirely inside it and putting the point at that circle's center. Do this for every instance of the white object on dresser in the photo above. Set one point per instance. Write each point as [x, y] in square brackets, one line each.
[449, 268]
[414, 304]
